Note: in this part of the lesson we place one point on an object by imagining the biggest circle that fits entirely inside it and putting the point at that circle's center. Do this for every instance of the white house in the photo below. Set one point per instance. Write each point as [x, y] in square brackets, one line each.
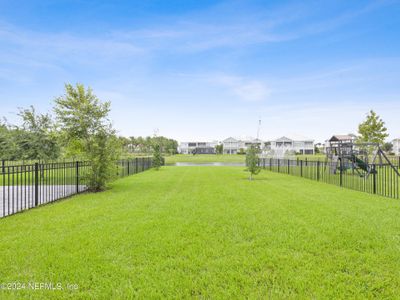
[396, 146]
[249, 142]
[294, 144]
[199, 147]
[231, 145]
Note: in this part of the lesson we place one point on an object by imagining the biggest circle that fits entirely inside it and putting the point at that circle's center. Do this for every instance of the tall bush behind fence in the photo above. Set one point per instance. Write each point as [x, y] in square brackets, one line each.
[24, 186]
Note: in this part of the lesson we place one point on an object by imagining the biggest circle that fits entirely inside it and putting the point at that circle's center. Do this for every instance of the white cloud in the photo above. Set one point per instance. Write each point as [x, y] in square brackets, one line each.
[246, 89]
[252, 91]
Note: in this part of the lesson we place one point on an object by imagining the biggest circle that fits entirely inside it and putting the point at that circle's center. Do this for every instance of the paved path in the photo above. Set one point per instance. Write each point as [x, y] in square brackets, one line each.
[17, 198]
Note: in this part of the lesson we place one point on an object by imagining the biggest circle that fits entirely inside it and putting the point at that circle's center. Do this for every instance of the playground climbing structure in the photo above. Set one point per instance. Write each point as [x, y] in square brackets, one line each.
[344, 154]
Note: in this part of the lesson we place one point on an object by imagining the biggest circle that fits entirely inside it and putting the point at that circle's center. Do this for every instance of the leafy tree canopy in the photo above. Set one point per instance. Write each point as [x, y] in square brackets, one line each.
[86, 130]
[373, 129]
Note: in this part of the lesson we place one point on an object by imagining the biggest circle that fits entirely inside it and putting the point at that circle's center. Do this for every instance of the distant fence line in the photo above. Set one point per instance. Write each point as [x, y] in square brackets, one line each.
[383, 181]
[24, 186]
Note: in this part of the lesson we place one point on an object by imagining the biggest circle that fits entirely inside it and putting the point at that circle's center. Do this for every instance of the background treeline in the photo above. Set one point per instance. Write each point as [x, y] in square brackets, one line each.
[144, 145]
[37, 137]
[79, 128]
[34, 138]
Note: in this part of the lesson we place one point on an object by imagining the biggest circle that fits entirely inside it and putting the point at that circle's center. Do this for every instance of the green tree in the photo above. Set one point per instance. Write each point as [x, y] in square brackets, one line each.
[316, 148]
[36, 138]
[252, 161]
[145, 145]
[125, 144]
[157, 157]
[387, 147]
[241, 151]
[372, 130]
[219, 149]
[8, 149]
[86, 130]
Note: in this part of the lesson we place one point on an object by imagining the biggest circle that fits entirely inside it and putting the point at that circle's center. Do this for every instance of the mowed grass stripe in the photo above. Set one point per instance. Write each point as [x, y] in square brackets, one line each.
[208, 232]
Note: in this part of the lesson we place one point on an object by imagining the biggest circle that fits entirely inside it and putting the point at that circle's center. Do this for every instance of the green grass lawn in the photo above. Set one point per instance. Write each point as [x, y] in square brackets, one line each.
[207, 232]
[204, 158]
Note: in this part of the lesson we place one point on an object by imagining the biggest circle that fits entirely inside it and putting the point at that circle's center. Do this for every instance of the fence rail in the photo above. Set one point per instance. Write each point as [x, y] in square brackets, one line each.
[382, 181]
[26, 186]
[395, 160]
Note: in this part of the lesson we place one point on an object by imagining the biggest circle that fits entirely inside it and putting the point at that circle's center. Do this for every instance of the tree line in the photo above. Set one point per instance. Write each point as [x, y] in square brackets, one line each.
[143, 145]
[39, 137]
[34, 138]
[80, 128]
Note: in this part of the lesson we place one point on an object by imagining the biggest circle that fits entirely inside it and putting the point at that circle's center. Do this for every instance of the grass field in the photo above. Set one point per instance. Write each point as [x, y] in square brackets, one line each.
[207, 232]
[204, 158]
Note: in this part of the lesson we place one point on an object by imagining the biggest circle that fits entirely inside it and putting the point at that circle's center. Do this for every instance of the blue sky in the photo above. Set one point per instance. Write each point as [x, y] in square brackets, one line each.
[208, 69]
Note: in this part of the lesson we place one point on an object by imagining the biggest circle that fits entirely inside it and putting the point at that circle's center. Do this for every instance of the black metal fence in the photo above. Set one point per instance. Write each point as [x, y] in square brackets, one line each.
[26, 186]
[383, 180]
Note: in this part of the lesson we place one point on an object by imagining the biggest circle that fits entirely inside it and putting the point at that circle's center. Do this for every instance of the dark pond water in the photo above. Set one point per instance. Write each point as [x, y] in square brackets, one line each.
[208, 164]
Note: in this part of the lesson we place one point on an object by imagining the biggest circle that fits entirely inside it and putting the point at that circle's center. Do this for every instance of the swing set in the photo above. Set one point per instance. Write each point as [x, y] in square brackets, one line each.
[362, 158]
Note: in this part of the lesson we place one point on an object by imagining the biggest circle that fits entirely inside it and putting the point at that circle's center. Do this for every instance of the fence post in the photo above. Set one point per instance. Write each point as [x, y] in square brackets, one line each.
[129, 171]
[278, 164]
[317, 170]
[341, 172]
[270, 164]
[36, 180]
[301, 168]
[136, 165]
[374, 178]
[3, 167]
[77, 176]
[288, 166]
[263, 163]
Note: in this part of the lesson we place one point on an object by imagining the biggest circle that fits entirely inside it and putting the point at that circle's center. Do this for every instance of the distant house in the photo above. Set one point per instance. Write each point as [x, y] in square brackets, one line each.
[296, 144]
[231, 145]
[197, 147]
[234, 146]
[248, 143]
[396, 146]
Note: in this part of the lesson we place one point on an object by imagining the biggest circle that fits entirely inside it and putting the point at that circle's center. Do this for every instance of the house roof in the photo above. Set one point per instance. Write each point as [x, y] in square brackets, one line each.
[253, 141]
[230, 140]
[339, 137]
[283, 139]
[295, 138]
